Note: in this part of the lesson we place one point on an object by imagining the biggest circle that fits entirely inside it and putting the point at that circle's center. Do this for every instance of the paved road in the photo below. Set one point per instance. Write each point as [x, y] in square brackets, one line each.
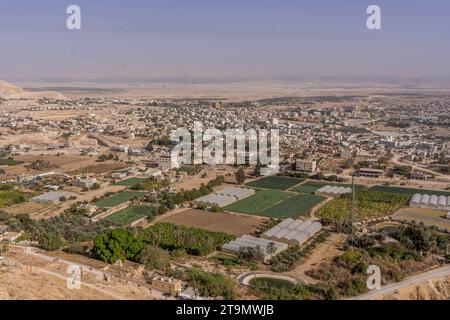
[414, 280]
[414, 166]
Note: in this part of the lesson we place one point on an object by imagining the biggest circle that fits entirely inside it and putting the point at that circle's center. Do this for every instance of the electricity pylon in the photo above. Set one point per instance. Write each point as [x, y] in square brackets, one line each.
[351, 211]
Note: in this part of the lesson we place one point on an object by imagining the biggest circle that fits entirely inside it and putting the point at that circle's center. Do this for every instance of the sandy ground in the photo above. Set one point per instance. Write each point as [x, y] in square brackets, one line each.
[428, 216]
[84, 196]
[26, 276]
[235, 89]
[28, 207]
[65, 163]
[19, 284]
[194, 182]
[435, 289]
[215, 221]
[100, 168]
[325, 251]
[35, 139]
[14, 171]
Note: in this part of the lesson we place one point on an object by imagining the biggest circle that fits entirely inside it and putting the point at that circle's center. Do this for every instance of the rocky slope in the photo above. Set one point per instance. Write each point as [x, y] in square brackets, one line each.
[435, 289]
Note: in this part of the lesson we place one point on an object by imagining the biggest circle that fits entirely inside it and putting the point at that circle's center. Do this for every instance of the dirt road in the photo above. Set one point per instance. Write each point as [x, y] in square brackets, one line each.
[411, 281]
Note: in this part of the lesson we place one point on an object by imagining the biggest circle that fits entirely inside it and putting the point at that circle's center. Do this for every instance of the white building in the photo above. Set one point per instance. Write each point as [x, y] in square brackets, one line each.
[84, 182]
[306, 165]
[346, 154]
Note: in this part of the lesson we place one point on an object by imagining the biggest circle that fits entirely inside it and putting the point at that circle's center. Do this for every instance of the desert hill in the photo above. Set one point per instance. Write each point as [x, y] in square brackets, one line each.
[10, 91]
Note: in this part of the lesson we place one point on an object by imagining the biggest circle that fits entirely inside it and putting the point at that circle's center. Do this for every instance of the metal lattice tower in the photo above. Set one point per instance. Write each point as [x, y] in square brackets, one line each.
[351, 210]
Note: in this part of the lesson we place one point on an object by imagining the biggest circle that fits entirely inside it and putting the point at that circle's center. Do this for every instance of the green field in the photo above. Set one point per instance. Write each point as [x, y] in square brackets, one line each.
[312, 186]
[409, 191]
[119, 198]
[131, 182]
[293, 207]
[258, 202]
[369, 204]
[9, 162]
[277, 204]
[126, 216]
[275, 182]
[11, 197]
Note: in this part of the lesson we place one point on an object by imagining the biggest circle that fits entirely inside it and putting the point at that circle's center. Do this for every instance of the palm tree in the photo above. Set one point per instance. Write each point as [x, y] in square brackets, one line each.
[271, 248]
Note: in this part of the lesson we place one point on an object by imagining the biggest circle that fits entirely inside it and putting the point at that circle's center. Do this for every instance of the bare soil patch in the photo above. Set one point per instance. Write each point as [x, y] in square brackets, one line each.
[215, 221]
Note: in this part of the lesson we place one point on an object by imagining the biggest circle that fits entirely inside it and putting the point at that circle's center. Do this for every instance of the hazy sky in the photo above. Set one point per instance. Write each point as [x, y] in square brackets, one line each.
[228, 38]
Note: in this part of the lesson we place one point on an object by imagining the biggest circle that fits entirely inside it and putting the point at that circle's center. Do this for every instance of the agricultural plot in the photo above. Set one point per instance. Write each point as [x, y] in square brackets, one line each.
[275, 182]
[119, 198]
[258, 202]
[11, 197]
[193, 241]
[126, 216]
[293, 206]
[409, 191]
[276, 204]
[235, 224]
[131, 182]
[428, 217]
[369, 204]
[313, 186]
[9, 162]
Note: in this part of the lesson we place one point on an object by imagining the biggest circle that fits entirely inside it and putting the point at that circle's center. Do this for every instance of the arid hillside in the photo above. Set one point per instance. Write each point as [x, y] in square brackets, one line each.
[435, 289]
[10, 91]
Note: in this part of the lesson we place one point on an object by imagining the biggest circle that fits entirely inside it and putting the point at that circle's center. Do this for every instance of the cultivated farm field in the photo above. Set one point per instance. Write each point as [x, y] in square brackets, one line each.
[369, 204]
[235, 224]
[126, 216]
[293, 206]
[275, 182]
[119, 198]
[276, 204]
[258, 202]
[11, 197]
[409, 191]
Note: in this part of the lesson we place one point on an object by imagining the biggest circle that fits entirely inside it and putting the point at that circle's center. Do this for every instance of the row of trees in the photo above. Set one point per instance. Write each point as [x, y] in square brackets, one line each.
[63, 231]
[169, 200]
[144, 245]
[194, 241]
[208, 284]
[370, 204]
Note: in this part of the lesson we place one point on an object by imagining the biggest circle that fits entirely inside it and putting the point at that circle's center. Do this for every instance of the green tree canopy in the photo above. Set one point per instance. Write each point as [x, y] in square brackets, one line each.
[116, 245]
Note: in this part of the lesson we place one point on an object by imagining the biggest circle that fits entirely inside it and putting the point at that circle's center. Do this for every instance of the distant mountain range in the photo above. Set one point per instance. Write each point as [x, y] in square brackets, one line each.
[10, 91]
